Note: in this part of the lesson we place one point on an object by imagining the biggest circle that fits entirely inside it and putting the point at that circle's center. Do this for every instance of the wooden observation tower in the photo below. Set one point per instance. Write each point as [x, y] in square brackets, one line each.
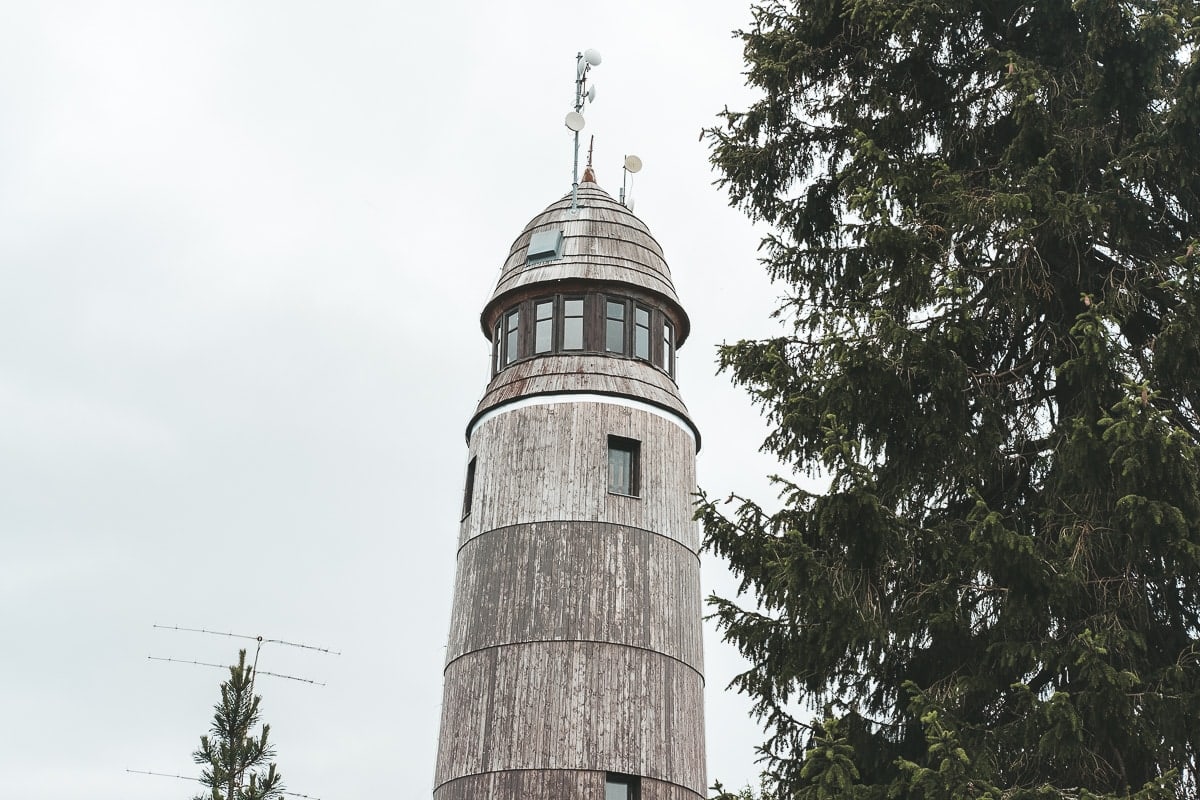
[574, 667]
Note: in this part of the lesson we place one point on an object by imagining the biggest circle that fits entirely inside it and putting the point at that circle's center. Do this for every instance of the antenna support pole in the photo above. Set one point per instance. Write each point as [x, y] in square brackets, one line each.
[581, 70]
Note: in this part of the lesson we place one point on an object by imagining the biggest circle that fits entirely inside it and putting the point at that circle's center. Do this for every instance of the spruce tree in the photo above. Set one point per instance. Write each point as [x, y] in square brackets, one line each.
[236, 762]
[985, 217]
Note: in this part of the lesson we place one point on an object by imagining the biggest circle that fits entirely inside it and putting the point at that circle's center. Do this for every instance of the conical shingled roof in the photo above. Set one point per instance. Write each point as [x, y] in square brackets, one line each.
[602, 241]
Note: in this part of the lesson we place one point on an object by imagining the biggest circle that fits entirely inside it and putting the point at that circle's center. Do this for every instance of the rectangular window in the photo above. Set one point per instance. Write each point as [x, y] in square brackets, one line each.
[623, 456]
[573, 324]
[621, 787]
[543, 330]
[511, 323]
[641, 332]
[668, 351]
[614, 327]
[468, 489]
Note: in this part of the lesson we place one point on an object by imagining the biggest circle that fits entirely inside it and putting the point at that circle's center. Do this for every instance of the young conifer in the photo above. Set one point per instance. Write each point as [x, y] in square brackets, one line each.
[236, 762]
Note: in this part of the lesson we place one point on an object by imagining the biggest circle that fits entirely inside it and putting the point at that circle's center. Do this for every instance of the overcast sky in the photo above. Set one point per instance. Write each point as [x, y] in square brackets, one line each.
[243, 250]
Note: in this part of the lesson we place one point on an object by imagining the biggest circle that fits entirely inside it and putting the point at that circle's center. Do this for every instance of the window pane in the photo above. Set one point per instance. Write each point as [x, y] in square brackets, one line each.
[620, 468]
[573, 333]
[668, 351]
[616, 791]
[512, 322]
[544, 328]
[614, 327]
[498, 347]
[572, 324]
[641, 333]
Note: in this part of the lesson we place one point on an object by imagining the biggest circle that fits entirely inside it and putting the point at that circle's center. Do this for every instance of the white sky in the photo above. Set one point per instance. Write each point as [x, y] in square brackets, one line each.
[243, 250]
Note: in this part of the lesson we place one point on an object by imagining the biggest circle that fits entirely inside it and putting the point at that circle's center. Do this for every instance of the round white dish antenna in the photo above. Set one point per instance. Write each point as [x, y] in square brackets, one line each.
[633, 163]
[591, 94]
[575, 121]
[592, 57]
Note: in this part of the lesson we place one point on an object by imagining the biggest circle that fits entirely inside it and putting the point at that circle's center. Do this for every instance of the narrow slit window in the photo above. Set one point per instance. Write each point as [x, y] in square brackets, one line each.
[623, 467]
[668, 348]
[543, 330]
[512, 322]
[468, 489]
[621, 787]
[573, 323]
[641, 332]
[614, 327]
[497, 350]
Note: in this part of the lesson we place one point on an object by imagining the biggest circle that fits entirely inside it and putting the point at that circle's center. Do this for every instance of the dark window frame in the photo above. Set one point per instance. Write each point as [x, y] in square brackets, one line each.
[561, 342]
[552, 320]
[469, 488]
[633, 449]
[635, 327]
[520, 343]
[632, 784]
[513, 334]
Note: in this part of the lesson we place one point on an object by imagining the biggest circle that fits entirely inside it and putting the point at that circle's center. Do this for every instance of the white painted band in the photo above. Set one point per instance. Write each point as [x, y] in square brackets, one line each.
[582, 397]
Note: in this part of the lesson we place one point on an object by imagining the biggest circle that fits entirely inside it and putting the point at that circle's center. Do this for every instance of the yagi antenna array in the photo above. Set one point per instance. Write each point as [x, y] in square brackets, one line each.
[190, 778]
[252, 638]
[226, 666]
[260, 640]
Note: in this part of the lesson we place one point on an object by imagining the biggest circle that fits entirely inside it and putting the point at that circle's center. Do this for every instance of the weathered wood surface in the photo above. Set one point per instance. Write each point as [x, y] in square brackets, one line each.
[572, 705]
[557, 373]
[550, 462]
[577, 581]
[549, 785]
[603, 241]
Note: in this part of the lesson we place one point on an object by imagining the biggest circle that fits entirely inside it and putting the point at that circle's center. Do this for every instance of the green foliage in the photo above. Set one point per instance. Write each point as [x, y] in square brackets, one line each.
[233, 757]
[986, 216]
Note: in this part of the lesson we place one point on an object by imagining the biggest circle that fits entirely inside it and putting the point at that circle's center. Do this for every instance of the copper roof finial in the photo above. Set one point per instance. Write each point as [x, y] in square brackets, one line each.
[589, 174]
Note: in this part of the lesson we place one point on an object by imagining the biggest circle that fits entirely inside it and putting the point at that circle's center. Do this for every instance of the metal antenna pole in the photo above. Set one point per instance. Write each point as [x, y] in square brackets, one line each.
[581, 69]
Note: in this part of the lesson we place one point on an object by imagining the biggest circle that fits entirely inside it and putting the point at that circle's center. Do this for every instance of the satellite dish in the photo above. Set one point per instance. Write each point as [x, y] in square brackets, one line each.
[592, 57]
[591, 94]
[575, 121]
[633, 163]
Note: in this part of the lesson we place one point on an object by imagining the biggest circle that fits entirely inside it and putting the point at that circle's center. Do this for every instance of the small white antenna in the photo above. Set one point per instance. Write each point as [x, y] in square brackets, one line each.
[633, 165]
[583, 63]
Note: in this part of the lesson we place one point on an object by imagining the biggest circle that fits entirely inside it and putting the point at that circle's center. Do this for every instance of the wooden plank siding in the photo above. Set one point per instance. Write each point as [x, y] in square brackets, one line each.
[550, 785]
[572, 705]
[566, 580]
[594, 372]
[550, 462]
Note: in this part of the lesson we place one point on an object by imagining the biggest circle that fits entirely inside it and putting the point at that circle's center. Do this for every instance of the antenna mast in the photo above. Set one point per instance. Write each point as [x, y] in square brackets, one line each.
[583, 63]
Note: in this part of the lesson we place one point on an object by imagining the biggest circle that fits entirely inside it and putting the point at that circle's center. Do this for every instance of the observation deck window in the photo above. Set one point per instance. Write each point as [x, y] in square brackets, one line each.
[589, 323]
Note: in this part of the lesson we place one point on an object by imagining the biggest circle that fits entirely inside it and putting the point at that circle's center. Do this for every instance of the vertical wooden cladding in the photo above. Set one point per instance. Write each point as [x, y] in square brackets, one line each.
[558, 374]
[551, 784]
[572, 705]
[577, 581]
[545, 462]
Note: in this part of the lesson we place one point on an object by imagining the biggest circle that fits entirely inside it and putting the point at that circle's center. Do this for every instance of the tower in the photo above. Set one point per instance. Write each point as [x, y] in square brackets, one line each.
[574, 666]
